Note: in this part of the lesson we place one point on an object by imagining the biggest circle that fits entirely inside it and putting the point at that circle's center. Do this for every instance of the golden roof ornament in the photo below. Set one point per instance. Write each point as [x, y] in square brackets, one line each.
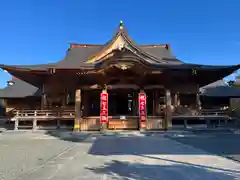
[123, 66]
[121, 24]
[120, 46]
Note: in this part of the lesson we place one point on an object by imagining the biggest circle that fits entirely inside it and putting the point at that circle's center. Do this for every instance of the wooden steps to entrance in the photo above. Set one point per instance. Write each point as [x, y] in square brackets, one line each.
[131, 124]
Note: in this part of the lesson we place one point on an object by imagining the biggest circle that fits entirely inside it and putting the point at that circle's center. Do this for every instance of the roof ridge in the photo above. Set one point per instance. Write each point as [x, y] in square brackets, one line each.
[80, 45]
[167, 46]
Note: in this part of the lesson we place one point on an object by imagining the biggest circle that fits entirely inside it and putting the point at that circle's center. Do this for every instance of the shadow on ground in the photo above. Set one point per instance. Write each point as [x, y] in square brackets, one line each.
[180, 171]
[226, 145]
[138, 145]
[6, 125]
[68, 135]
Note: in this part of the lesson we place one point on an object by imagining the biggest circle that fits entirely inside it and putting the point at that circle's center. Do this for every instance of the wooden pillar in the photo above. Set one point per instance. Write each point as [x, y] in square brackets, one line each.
[157, 103]
[63, 102]
[176, 100]
[85, 103]
[43, 98]
[168, 110]
[16, 122]
[198, 102]
[67, 98]
[135, 103]
[58, 123]
[154, 102]
[43, 101]
[58, 120]
[34, 127]
[77, 110]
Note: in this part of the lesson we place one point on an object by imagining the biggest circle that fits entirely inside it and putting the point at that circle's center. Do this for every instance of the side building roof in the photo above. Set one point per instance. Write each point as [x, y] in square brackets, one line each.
[220, 89]
[19, 89]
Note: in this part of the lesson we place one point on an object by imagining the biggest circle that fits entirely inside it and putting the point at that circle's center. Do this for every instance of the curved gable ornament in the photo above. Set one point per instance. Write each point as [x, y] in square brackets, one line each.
[118, 44]
[124, 66]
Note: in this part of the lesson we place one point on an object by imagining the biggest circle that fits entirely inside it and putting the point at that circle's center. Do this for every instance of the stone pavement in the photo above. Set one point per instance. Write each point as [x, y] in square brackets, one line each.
[223, 144]
[133, 156]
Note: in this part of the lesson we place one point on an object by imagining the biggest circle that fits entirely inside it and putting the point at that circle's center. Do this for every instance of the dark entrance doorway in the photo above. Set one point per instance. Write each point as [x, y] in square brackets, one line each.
[121, 102]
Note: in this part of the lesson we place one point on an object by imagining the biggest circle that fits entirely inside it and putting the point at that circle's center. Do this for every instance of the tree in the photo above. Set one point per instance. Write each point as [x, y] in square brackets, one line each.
[231, 83]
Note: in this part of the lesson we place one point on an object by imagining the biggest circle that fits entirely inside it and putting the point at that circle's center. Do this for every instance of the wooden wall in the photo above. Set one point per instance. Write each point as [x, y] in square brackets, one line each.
[23, 103]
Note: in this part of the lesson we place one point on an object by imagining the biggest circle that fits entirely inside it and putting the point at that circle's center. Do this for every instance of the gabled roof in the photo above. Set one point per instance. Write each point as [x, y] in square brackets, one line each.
[120, 41]
[77, 57]
[92, 55]
[86, 55]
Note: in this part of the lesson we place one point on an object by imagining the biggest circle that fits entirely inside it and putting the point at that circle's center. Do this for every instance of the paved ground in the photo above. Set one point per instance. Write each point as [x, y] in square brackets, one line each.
[224, 144]
[134, 156]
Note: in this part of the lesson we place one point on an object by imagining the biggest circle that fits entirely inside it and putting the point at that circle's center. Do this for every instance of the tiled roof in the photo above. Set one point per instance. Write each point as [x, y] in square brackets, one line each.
[220, 89]
[19, 89]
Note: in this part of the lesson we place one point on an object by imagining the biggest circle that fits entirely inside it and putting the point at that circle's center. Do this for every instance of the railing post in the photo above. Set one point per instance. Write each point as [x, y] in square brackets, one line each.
[185, 123]
[58, 121]
[34, 127]
[226, 122]
[16, 122]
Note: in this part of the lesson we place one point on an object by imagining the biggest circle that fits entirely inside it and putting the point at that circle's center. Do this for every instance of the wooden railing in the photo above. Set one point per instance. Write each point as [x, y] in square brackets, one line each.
[217, 112]
[205, 116]
[187, 111]
[43, 114]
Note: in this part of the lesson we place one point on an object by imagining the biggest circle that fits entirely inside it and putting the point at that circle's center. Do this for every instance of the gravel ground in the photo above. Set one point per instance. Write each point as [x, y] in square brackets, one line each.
[51, 157]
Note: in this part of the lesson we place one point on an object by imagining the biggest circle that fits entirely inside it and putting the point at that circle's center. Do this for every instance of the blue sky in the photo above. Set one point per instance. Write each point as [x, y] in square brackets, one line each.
[38, 31]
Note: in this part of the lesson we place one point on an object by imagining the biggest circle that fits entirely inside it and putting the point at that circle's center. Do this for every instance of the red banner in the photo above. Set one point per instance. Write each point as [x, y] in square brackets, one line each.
[142, 101]
[104, 108]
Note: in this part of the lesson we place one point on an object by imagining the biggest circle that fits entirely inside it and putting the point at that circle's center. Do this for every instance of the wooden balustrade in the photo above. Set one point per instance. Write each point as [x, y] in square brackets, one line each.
[214, 112]
[131, 122]
[44, 114]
